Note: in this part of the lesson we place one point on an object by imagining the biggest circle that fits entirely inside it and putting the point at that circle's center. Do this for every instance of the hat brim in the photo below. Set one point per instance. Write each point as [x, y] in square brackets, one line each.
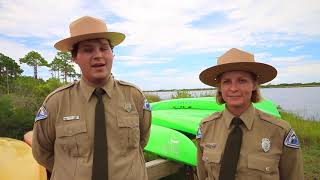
[115, 39]
[264, 72]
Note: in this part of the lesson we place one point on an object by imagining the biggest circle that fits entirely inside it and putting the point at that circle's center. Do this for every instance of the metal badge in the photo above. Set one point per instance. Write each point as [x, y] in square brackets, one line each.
[265, 144]
[128, 107]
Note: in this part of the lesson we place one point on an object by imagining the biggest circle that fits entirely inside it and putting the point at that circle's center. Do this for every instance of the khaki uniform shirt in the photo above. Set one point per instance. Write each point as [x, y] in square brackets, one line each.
[64, 134]
[263, 153]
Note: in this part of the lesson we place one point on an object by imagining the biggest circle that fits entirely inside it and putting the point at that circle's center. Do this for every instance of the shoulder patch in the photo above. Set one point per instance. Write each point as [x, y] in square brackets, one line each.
[292, 140]
[199, 133]
[273, 120]
[42, 114]
[146, 105]
[213, 116]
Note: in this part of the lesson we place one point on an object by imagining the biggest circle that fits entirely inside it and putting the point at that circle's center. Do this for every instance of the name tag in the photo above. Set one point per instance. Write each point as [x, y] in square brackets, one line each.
[70, 118]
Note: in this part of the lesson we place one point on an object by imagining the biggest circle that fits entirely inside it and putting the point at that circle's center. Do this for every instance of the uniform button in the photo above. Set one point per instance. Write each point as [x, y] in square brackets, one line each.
[268, 169]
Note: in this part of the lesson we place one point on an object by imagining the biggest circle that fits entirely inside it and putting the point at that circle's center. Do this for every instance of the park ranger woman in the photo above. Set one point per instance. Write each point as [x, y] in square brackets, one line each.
[242, 142]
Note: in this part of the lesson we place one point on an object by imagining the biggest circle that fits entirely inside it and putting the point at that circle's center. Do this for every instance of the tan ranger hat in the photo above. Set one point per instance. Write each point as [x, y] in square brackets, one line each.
[237, 60]
[86, 28]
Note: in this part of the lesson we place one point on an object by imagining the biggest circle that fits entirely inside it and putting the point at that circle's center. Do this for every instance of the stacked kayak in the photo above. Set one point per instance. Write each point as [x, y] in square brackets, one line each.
[175, 123]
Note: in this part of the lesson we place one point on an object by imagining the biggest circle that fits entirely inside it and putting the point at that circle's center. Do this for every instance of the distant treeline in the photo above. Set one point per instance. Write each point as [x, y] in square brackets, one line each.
[282, 85]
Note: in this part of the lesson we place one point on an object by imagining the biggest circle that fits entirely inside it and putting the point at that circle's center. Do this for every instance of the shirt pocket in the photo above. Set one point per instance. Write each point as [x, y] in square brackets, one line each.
[71, 138]
[265, 167]
[128, 125]
[212, 159]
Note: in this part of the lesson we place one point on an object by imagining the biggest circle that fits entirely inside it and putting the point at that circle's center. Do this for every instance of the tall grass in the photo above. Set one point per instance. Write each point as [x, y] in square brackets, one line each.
[181, 94]
[152, 98]
[308, 131]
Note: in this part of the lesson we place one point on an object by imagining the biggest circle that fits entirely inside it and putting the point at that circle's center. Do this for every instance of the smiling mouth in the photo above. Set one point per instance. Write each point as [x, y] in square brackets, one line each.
[97, 65]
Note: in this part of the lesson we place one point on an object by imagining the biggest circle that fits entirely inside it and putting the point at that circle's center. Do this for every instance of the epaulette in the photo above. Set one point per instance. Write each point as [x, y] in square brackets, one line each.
[271, 119]
[59, 89]
[130, 84]
[212, 117]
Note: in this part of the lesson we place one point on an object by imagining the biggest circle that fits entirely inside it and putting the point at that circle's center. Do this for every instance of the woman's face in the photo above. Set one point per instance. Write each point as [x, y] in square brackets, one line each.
[236, 88]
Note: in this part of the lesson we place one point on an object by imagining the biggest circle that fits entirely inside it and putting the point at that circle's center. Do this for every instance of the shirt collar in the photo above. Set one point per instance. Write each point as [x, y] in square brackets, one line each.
[247, 117]
[87, 90]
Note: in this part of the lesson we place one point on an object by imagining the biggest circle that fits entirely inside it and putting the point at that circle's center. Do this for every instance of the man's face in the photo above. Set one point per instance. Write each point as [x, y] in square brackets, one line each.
[236, 88]
[95, 59]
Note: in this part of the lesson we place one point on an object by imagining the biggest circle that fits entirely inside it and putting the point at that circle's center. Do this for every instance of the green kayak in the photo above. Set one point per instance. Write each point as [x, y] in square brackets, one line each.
[172, 145]
[185, 114]
[175, 122]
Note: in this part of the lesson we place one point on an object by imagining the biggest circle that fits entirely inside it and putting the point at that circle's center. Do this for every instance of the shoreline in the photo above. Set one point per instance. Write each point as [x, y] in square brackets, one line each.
[206, 89]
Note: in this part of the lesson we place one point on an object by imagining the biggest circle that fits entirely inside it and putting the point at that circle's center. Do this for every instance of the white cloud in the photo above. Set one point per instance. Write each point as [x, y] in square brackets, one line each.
[296, 69]
[136, 61]
[163, 26]
[13, 49]
[167, 27]
[294, 49]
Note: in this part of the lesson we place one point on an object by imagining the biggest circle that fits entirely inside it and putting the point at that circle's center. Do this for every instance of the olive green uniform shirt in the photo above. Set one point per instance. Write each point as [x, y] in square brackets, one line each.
[274, 161]
[63, 137]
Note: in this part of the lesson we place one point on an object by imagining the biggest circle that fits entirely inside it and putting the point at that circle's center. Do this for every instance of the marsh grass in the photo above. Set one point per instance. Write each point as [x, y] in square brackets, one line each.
[152, 98]
[308, 131]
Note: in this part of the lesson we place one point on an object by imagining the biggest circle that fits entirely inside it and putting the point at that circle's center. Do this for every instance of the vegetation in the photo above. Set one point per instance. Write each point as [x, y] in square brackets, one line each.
[286, 85]
[309, 137]
[152, 98]
[34, 59]
[181, 94]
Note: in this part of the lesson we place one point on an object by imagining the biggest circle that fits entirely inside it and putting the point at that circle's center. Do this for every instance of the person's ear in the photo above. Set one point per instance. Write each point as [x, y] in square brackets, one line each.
[255, 86]
[74, 59]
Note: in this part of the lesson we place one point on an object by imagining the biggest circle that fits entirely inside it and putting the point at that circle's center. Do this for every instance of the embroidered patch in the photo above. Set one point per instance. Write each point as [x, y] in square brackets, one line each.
[199, 133]
[42, 114]
[146, 105]
[292, 140]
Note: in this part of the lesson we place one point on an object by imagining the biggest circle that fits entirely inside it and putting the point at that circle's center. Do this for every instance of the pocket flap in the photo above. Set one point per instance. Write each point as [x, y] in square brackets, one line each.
[211, 156]
[70, 129]
[129, 121]
[266, 165]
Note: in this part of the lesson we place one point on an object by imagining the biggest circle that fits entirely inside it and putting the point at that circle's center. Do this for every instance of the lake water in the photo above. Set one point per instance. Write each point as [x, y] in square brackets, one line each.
[304, 102]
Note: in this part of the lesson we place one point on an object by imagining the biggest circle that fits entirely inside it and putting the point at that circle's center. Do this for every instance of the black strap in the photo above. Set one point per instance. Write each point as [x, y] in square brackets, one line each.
[100, 152]
[231, 152]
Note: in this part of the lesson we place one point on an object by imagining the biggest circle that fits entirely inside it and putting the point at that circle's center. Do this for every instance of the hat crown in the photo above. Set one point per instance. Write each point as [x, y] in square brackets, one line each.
[87, 25]
[235, 55]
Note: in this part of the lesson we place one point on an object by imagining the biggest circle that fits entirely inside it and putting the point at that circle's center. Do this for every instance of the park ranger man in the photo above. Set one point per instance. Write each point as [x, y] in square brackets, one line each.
[95, 128]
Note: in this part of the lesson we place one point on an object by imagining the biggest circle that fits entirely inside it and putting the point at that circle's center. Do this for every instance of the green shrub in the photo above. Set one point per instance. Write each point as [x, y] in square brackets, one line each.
[308, 131]
[152, 98]
[181, 94]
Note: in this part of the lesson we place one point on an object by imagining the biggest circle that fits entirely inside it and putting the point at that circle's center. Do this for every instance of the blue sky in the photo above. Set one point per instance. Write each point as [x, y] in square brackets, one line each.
[168, 43]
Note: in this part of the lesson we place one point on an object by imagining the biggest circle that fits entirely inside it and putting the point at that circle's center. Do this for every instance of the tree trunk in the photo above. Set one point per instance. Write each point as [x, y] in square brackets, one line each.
[35, 71]
[65, 76]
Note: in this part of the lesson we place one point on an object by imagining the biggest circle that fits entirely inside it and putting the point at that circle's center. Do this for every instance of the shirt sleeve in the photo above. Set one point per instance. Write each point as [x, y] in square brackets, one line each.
[201, 171]
[291, 161]
[145, 123]
[43, 139]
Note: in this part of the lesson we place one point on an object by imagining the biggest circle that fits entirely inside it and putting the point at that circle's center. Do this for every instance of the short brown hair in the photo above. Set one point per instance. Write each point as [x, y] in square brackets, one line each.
[256, 94]
[75, 48]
